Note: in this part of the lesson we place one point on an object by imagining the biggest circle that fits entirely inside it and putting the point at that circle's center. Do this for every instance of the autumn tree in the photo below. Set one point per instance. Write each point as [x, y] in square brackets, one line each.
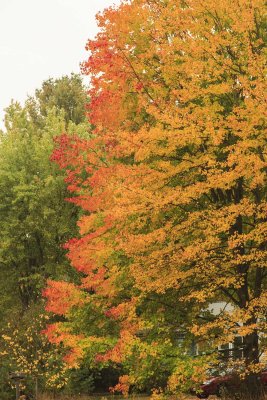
[173, 182]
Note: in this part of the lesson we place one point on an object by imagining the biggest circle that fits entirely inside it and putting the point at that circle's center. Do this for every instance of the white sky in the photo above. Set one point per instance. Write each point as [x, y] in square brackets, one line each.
[41, 39]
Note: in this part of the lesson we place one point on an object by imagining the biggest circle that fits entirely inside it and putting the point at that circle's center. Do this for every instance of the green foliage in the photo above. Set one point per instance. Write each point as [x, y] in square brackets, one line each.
[81, 381]
[26, 350]
[35, 219]
[66, 94]
[6, 391]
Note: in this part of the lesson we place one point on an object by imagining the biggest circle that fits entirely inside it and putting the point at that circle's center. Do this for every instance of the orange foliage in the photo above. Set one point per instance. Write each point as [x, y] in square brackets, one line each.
[62, 296]
[176, 167]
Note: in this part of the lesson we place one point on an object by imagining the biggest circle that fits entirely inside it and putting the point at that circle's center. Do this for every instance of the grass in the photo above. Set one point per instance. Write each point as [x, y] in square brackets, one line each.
[105, 396]
[113, 397]
[142, 397]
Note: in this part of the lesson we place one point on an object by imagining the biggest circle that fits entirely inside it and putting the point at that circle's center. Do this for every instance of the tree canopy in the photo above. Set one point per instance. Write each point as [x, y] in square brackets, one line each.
[172, 185]
[35, 222]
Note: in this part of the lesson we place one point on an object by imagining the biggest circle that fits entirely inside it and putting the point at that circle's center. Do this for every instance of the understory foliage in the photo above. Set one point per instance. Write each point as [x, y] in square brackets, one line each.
[26, 350]
[172, 186]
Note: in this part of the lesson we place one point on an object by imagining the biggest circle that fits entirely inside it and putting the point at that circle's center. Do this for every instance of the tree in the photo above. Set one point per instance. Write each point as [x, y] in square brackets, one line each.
[174, 180]
[25, 350]
[35, 219]
[65, 93]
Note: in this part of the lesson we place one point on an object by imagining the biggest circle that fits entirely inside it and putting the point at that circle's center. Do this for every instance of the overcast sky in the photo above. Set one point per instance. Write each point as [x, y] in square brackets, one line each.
[41, 39]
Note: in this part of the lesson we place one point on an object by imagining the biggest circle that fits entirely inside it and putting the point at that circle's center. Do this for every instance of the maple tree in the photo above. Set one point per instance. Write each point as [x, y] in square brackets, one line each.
[172, 183]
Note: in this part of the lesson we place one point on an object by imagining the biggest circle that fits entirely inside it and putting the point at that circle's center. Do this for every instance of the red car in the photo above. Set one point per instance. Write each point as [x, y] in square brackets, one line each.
[216, 385]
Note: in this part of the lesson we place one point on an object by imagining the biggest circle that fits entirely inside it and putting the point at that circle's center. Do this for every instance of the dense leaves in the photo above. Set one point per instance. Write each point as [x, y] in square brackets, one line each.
[35, 222]
[172, 184]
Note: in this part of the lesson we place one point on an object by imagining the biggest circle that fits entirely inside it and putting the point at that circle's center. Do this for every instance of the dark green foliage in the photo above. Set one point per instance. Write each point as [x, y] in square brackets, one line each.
[81, 381]
[65, 94]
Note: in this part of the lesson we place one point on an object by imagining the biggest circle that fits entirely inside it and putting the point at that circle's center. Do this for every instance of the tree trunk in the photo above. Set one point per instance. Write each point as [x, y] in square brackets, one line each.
[252, 384]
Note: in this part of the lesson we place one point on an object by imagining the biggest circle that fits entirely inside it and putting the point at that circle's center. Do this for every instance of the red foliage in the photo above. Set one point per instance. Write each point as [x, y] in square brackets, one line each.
[62, 296]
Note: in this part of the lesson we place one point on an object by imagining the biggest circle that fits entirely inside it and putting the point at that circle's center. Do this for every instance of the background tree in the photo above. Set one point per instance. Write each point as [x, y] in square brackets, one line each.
[65, 93]
[35, 219]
